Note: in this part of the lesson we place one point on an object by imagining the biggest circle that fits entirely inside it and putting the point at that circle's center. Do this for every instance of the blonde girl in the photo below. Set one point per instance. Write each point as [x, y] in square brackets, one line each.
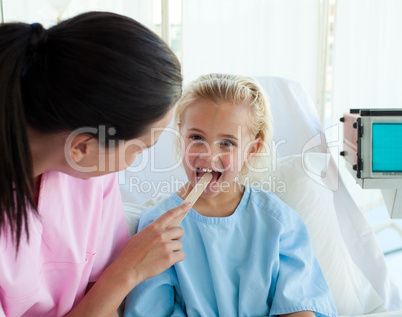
[247, 252]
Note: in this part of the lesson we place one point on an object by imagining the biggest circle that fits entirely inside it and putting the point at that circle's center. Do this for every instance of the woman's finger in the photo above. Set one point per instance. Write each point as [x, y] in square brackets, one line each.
[178, 256]
[174, 233]
[171, 216]
[175, 245]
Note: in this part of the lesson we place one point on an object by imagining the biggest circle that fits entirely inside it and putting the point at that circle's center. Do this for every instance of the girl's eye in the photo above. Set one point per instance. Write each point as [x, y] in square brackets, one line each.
[195, 137]
[227, 143]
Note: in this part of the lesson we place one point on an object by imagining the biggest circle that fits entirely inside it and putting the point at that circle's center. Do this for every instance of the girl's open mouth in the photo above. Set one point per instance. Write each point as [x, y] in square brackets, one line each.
[215, 175]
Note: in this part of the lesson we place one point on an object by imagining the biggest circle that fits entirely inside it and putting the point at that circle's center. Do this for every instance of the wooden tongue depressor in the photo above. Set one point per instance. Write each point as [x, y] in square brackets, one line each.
[196, 192]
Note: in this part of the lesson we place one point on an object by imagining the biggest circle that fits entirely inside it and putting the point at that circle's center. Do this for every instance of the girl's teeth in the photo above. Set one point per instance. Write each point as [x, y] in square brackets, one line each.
[206, 170]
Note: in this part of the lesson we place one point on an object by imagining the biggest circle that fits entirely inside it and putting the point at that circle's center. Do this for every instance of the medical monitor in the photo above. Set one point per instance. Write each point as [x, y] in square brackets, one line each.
[372, 148]
[386, 147]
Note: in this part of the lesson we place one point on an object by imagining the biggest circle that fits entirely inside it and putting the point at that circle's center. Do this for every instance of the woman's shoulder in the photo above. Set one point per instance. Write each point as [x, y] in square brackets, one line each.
[73, 184]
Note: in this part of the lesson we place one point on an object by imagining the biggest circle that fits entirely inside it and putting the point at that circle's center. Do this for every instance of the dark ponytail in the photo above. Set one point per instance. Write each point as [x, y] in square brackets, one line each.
[96, 69]
[16, 180]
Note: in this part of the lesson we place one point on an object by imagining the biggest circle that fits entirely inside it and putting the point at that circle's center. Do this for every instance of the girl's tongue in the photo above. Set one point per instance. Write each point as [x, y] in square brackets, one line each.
[215, 176]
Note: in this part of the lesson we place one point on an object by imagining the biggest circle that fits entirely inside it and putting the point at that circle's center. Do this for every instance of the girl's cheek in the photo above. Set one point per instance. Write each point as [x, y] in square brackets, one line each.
[190, 155]
[189, 161]
[228, 161]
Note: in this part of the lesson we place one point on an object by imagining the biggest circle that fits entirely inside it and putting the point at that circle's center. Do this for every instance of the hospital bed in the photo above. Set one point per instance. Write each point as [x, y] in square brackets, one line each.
[306, 177]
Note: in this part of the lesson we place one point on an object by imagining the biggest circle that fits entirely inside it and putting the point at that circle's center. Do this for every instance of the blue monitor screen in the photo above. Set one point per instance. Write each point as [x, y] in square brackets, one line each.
[387, 147]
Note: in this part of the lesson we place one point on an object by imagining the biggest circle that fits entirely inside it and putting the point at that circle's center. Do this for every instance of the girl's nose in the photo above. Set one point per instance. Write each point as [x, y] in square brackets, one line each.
[210, 153]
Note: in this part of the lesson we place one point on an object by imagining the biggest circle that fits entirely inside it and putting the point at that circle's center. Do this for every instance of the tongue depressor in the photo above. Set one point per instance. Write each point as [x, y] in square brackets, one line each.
[195, 193]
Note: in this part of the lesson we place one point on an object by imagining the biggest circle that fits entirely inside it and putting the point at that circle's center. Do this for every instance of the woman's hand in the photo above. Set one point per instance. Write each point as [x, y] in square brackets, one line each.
[155, 248]
[148, 253]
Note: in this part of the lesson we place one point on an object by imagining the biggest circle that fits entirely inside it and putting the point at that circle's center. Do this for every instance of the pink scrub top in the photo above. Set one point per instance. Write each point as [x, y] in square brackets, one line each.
[80, 229]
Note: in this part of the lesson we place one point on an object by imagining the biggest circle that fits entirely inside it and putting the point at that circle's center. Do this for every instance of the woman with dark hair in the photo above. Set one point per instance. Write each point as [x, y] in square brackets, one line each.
[79, 100]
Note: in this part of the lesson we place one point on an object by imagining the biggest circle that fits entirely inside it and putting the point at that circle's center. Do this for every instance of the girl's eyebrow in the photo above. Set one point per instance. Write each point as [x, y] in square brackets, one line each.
[229, 136]
[196, 130]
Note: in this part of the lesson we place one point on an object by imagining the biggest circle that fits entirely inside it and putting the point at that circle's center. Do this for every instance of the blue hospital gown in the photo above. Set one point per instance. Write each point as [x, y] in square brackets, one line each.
[257, 262]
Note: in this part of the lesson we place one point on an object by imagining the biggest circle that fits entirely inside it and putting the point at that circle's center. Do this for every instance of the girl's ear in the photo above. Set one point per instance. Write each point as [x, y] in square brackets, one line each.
[179, 126]
[81, 146]
[253, 149]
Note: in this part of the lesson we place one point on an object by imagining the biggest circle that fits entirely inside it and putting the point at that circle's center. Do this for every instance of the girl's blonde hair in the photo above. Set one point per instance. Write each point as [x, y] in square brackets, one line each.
[238, 90]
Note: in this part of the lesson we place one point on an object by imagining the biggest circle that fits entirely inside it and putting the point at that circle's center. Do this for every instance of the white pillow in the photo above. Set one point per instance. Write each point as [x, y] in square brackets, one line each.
[352, 292]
